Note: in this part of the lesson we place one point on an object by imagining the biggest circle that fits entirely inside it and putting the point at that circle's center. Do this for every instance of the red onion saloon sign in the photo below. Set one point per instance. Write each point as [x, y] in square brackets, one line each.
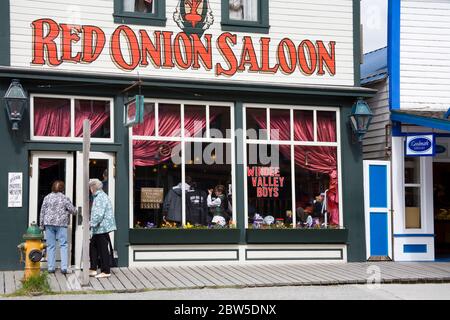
[57, 43]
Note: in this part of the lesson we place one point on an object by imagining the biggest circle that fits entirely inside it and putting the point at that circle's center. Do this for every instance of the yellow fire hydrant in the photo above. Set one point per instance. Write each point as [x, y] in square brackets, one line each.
[33, 249]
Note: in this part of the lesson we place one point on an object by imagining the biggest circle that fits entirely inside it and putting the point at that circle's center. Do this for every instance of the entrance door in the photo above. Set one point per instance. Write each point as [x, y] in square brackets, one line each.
[45, 168]
[441, 187]
[102, 167]
[377, 205]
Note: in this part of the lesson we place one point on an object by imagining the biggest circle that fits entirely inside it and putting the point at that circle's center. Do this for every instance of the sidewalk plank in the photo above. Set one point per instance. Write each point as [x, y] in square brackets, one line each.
[185, 277]
[223, 279]
[151, 277]
[142, 278]
[107, 284]
[269, 270]
[173, 278]
[18, 276]
[118, 286]
[196, 278]
[197, 273]
[246, 280]
[95, 284]
[123, 279]
[54, 286]
[161, 276]
[2, 282]
[10, 286]
[252, 276]
[133, 279]
[273, 277]
[62, 282]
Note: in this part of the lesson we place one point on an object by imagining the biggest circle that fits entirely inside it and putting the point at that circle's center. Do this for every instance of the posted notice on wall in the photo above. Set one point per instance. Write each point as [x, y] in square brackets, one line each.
[15, 188]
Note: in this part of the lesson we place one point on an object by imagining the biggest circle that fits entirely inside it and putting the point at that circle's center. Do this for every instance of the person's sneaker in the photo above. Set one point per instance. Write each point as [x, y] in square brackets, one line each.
[103, 275]
[51, 271]
[92, 273]
[65, 271]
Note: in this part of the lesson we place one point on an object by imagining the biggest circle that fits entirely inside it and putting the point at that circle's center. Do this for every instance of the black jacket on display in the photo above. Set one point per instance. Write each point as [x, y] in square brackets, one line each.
[197, 209]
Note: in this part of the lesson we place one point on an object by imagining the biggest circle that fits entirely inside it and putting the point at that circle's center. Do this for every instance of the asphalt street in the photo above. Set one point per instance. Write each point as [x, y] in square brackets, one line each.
[346, 292]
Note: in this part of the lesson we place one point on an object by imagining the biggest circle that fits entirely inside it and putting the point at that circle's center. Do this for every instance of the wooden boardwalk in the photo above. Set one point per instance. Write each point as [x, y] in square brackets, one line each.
[248, 275]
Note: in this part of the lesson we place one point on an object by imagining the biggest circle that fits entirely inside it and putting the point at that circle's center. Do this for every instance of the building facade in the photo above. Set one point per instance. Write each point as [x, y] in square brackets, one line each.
[412, 82]
[227, 84]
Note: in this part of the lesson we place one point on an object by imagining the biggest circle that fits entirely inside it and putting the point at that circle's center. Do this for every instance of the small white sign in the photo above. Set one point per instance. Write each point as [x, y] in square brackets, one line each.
[15, 189]
[420, 145]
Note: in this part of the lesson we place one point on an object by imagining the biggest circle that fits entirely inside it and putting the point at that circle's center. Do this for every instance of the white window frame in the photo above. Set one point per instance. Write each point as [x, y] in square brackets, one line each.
[292, 143]
[72, 137]
[182, 139]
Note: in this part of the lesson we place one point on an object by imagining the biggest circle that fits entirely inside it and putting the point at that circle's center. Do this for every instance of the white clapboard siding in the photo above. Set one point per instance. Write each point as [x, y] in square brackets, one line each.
[374, 142]
[425, 54]
[297, 20]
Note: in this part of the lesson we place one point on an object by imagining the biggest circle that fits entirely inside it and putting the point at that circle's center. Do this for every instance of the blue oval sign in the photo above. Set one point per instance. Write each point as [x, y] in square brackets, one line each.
[419, 144]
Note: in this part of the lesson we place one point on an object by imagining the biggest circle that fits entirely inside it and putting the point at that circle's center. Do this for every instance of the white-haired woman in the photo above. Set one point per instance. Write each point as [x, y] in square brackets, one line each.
[102, 223]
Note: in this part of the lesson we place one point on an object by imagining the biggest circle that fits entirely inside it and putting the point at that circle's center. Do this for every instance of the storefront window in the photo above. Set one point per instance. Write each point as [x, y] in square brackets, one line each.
[303, 125]
[269, 186]
[169, 120]
[412, 193]
[147, 128]
[256, 123]
[194, 121]
[51, 117]
[97, 112]
[58, 118]
[280, 124]
[296, 181]
[183, 179]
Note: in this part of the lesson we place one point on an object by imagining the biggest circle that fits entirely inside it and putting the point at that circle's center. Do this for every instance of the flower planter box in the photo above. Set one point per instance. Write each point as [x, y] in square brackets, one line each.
[297, 236]
[183, 236]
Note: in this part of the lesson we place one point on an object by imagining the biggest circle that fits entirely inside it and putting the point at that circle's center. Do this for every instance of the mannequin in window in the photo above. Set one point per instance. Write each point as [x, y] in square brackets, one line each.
[197, 209]
[172, 202]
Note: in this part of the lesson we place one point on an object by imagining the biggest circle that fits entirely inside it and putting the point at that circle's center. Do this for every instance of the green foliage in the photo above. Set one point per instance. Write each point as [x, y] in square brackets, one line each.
[34, 285]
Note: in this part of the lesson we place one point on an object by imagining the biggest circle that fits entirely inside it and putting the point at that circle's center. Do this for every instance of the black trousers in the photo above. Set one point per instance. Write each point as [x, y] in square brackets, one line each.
[99, 253]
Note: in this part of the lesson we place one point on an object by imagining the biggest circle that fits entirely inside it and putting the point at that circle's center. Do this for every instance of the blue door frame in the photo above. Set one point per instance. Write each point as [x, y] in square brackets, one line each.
[377, 207]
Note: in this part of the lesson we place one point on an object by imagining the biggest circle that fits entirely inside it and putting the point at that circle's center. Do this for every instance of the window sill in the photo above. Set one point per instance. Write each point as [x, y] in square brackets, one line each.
[297, 236]
[245, 27]
[183, 236]
[139, 19]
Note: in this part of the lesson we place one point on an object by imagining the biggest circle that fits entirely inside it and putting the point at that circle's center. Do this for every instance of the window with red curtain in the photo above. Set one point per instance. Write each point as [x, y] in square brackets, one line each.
[316, 175]
[53, 117]
[157, 163]
[98, 114]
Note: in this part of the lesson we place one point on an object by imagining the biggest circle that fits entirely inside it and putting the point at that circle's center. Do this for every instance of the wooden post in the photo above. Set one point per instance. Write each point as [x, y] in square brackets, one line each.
[85, 186]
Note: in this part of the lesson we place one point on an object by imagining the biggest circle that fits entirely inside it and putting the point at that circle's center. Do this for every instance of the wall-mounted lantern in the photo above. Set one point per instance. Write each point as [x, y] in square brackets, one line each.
[16, 101]
[360, 118]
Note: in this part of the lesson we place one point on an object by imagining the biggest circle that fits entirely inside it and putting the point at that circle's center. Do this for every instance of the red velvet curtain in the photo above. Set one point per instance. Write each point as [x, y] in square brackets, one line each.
[96, 111]
[316, 159]
[148, 153]
[52, 118]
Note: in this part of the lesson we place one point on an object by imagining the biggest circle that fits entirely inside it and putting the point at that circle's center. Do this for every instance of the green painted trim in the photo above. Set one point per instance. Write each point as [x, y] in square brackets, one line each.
[5, 40]
[203, 86]
[352, 189]
[297, 236]
[155, 19]
[183, 236]
[357, 42]
[195, 250]
[69, 146]
[341, 252]
[239, 168]
[260, 26]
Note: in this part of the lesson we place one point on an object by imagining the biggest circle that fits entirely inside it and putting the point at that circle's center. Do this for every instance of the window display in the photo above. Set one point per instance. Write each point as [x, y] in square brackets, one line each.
[293, 183]
[182, 167]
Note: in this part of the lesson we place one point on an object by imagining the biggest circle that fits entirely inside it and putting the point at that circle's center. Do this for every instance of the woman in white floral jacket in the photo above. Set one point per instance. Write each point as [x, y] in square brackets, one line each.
[102, 223]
